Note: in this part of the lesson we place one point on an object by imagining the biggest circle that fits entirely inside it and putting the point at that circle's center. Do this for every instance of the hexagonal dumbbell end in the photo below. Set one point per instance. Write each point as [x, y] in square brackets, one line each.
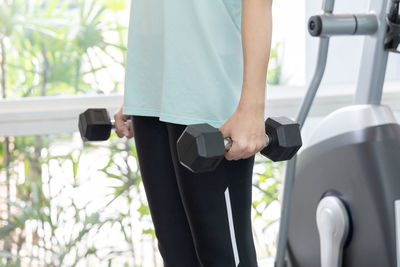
[95, 124]
[284, 139]
[201, 148]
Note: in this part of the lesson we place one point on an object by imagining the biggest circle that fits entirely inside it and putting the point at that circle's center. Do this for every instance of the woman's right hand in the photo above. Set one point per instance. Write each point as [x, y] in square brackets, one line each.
[122, 127]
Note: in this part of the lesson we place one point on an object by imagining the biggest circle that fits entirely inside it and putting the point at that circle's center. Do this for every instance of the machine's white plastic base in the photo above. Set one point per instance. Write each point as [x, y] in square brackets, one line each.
[351, 118]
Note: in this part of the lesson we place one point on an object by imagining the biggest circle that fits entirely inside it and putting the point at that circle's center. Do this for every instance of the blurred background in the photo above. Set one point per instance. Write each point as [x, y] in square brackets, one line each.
[68, 203]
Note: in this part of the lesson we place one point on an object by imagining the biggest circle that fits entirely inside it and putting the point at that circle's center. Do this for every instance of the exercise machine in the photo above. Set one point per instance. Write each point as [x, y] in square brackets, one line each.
[341, 199]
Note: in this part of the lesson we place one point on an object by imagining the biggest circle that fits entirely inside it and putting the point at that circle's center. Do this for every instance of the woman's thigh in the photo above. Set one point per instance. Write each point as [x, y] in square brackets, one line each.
[218, 206]
[171, 225]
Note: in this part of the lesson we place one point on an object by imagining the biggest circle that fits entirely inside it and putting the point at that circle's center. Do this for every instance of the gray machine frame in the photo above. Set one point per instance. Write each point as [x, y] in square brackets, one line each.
[370, 81]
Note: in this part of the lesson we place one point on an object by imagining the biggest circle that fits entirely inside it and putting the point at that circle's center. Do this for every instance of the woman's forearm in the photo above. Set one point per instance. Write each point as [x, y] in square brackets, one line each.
[256, 38]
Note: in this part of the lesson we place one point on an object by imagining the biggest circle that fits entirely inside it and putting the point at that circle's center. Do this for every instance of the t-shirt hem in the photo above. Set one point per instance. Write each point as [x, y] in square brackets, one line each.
[171, 118]
[140, 111]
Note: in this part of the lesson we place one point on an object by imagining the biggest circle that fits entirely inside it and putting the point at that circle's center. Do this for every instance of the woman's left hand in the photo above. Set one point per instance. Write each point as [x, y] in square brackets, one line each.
[246, 128]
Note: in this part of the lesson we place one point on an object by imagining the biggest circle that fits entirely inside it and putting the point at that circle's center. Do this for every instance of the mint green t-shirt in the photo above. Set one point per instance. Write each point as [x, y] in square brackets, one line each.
[184, 61]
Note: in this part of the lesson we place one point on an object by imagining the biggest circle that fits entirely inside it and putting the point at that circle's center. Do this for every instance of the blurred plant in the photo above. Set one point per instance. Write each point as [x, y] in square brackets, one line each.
[50, 224]
[267, 183]
[62, 47]
[275, 65]
[50, 47]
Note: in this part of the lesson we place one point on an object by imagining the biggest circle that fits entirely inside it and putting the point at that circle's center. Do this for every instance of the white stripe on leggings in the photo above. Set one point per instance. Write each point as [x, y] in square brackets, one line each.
[231, 226]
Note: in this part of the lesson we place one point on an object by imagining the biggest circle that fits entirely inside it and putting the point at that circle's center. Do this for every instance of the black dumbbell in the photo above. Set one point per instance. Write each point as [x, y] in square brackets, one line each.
[201, 147]
[95, 124]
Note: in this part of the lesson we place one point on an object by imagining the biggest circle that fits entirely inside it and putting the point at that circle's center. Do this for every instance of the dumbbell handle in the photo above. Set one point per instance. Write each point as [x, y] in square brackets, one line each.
[113, 123]
[228, 142]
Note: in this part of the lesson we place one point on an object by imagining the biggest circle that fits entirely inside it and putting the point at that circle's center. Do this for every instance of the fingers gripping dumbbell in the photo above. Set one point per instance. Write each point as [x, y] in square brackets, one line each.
[201, 147]
[95, 124]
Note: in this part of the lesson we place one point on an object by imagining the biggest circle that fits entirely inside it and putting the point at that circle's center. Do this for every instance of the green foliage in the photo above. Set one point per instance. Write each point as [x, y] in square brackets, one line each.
[275, 65]
[54, 47]
[47, 212]
[58, 46]
[267, 188]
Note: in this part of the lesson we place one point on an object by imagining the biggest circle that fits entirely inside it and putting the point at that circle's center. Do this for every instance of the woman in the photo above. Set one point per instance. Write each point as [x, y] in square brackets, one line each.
[189, 62]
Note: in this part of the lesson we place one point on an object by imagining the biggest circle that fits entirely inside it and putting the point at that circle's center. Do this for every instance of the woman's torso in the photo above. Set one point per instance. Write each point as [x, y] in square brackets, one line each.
[185, 60]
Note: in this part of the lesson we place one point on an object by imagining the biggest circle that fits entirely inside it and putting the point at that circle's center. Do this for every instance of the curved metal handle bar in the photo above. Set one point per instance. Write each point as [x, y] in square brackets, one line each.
[291, 165]
[327, 7]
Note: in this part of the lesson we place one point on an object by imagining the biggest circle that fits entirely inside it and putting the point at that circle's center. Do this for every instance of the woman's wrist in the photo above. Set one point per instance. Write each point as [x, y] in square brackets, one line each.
[253, 108]
[252, 101]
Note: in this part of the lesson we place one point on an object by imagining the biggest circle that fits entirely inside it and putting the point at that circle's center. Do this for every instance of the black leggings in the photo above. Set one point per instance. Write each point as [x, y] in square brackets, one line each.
[199, 219]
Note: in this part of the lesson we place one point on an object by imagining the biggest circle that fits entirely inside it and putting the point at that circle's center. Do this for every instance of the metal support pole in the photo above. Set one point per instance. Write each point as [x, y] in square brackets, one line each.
[291, 166]
[374, 59]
